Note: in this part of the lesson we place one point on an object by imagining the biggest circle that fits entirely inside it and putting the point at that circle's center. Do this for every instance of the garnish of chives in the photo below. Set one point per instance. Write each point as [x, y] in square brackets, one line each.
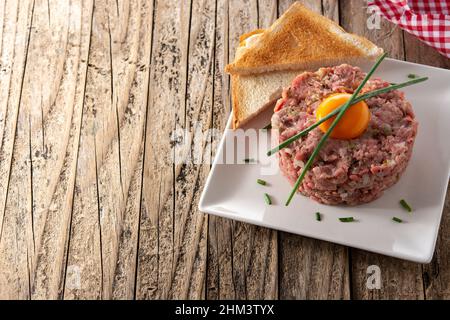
[412, 76]
[267, 199]
[267, 127]
[397, 219]
[330, 129]
[249, 160]
[405, 205]
[347, 219]
[365, 96]
[318, 217]
[261, 182]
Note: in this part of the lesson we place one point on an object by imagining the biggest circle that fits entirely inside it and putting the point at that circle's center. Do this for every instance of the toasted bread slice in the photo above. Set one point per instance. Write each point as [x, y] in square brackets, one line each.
[243, 38]
[301, 40]
[253, 94]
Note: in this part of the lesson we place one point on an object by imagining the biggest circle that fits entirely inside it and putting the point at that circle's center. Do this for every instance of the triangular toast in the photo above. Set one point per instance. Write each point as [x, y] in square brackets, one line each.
[253, 94]
[302, 40]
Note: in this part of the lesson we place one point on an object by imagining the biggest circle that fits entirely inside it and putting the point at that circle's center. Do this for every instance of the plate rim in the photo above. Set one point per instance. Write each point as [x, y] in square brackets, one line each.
[424, 258]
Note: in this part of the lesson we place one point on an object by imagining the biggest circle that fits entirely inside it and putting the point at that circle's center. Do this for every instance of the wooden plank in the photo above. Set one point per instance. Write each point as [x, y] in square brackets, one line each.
[57, 80]
[304, 261]
[417, 51]
[167, 87]
[192, 156]
[312, 269]
[108, 192]
[436, 275]
[16, 20]
[330, 9]
[400, 279]
[354, 17]
[267, 12]
[16, 234]
[218, 261]
[124, 284]
[242, 259]
[84, 272]
[129, 49]
[64, 78]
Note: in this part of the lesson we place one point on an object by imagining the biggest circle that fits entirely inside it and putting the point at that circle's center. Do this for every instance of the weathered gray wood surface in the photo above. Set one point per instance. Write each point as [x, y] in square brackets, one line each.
[92, 205]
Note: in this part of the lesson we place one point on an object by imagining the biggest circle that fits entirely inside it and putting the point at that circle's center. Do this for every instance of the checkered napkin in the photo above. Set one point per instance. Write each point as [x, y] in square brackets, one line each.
[428, 20]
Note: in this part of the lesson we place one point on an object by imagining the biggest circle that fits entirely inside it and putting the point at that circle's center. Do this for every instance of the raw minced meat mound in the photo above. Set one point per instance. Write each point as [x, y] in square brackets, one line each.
[345, 171]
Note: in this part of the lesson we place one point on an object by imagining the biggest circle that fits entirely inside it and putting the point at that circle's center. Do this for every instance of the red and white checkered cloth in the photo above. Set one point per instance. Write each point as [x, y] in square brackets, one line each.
[428, 20]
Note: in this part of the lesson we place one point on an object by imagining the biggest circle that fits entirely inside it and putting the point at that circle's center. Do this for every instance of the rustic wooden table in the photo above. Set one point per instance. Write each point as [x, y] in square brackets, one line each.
[90, 93]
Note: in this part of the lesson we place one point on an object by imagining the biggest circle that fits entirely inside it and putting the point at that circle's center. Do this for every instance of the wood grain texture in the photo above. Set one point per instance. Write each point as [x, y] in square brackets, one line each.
[354, 17]
[172, 249]
[218, 280]
[110, 114]
[167, 86]
[107, 193]
[16, 246]
[195, 116]
[52, 96]
[436, 275]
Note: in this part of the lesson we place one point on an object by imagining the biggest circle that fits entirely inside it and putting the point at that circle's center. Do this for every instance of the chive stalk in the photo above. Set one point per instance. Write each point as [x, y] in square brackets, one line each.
[267, 199]
[330, 129]
[397, 219]
[347, 219]
[261, 182]
[318, 217]
[405, 205]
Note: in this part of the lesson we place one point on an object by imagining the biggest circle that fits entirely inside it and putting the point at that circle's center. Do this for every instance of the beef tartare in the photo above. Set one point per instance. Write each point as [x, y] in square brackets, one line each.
[351, 171]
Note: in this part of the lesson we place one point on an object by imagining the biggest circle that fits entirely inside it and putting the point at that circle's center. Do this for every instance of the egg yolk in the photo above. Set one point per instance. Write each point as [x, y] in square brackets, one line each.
[352, 124]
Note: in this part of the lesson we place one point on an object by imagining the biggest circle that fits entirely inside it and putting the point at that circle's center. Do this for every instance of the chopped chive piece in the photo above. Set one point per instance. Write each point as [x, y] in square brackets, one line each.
[267, 127]
[347, 219]
[405, 205]
[261, 182]
[318, 217]
[249, 160]
[397, 219]
[267, 198]
[412, 76]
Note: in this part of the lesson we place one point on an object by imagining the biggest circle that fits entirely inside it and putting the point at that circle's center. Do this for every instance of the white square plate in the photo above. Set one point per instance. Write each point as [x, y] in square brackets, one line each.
[231, 190]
